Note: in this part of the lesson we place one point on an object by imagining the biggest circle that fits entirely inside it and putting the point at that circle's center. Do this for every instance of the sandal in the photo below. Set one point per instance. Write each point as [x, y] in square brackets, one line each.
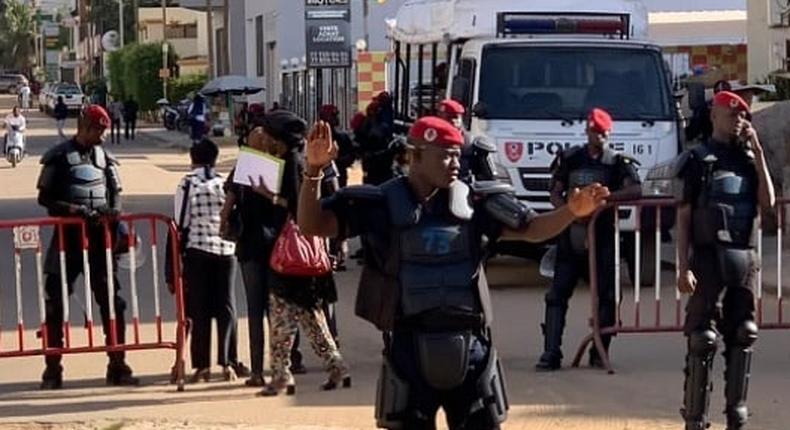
[274, 389]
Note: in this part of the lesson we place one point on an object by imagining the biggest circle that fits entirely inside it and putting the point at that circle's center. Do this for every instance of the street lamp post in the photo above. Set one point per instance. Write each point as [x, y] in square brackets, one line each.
[165, 47]
[120, 20]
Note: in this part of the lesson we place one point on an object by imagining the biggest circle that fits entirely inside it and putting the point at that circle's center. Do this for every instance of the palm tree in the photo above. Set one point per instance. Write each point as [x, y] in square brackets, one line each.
[17, 36]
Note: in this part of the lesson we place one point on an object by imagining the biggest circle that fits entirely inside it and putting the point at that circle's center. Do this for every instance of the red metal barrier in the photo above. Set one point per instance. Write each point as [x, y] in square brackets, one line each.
[660, 323]
[27, 236]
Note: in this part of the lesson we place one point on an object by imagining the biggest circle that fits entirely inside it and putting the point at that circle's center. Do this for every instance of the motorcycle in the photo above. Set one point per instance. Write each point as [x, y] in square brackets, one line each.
[174, 117]
[14, 145]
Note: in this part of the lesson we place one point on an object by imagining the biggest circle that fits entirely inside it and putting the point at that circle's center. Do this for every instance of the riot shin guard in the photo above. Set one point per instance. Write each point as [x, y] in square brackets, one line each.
[736, 376]
[553, 328]
[698, 384]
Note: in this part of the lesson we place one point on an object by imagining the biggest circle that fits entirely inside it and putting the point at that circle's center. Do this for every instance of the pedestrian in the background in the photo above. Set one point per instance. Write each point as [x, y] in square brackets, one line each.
[130, 111]
[295, 301]
[61, 112]
[24, 97]
[347, 151]
[116, 115]
[347, 154]
[726, 183]
[208, 263]
[575, 168]
[374, 138]
[197, 118]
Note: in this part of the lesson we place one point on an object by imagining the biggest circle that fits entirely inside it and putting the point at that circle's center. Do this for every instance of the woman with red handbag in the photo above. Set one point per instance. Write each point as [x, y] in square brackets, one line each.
[300, 266]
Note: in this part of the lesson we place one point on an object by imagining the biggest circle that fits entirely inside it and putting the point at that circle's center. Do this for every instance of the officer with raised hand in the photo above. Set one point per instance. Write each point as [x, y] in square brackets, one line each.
[725, 182]
[573, 168]
[79, 178]
[423, 283]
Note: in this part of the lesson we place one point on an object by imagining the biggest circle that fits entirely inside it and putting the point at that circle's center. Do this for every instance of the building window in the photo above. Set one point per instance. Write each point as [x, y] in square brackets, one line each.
[182, 31]
[259, 60]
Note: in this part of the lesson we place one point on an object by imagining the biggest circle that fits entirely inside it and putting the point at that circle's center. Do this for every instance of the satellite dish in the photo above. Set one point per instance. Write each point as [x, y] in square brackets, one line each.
[111, 41]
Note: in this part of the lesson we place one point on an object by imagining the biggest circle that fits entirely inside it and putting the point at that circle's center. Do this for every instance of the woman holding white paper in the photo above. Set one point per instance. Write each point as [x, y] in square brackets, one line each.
[295, 301]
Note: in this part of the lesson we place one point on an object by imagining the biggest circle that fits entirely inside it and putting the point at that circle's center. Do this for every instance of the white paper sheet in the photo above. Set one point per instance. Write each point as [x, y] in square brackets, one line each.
[255, 164]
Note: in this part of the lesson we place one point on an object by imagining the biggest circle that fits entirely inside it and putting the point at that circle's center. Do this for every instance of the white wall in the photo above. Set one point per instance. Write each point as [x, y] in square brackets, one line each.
[184, 47]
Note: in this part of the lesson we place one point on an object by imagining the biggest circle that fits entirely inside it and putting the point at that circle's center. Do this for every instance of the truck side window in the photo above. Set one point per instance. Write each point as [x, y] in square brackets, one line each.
[463, 86]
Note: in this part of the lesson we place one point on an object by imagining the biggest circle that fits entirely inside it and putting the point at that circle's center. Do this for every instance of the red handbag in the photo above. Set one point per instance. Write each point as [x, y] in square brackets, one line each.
[295, 254]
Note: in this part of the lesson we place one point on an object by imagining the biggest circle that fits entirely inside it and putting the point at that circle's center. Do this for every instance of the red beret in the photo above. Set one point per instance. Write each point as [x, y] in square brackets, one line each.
[731, 100]
[452, 107]
[600, 120]
[436, 131]
[96, 115]
[327, 111]
[357, 120]
[256, 108]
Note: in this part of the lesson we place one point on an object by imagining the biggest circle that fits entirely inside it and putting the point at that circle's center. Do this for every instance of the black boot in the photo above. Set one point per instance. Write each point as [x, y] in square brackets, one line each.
[551, 359]
[52, 378]
[120, 374]
[739, 359]
[698, 384]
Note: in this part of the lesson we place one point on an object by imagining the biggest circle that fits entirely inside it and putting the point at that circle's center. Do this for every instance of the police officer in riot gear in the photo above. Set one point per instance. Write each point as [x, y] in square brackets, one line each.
[422, 283]
[80, 178]
[477, 154]
[574, 168]
[725, 182]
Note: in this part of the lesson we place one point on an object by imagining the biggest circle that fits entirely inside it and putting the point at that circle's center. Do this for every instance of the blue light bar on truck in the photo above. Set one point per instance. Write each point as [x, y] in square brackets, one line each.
[526, 23]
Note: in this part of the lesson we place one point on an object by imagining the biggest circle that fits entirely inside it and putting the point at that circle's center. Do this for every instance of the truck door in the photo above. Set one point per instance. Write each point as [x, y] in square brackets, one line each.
[463, 88]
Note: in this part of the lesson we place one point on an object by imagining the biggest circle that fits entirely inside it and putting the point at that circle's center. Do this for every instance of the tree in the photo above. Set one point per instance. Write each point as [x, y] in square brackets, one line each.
[17, 35]
[134, 72]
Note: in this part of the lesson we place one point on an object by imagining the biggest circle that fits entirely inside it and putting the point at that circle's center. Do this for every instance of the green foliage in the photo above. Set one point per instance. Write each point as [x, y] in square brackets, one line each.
[186, 86]
[17, 35]
[117, 75]
[134, 72]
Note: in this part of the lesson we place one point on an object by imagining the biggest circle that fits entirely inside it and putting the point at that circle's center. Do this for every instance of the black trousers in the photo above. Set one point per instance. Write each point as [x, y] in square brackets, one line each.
[425, 401]
[571, 266]
[115, 131]
[131, 127]
[99, 280]
[209, 281]
[256, 284]
[720, 302]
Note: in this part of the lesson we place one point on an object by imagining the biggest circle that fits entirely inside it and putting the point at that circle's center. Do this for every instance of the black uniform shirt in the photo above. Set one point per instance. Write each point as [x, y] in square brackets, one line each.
[623, 172]
[369, 216]
[729, 157]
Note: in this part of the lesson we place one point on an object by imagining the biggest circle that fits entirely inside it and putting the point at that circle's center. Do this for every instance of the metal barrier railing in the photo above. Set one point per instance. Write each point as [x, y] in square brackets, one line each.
[662, 324]
[27, 236]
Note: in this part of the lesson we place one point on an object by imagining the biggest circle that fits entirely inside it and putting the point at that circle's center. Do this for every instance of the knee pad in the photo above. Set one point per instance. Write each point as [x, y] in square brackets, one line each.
[746, 333]
[702, 342]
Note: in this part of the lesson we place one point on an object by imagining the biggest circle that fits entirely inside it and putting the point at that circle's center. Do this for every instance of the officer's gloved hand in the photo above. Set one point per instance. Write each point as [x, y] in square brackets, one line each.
[107, 211]
[84, 212]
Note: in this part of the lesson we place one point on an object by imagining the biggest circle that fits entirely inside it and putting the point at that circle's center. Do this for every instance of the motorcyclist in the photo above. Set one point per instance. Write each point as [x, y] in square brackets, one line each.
[14, 121]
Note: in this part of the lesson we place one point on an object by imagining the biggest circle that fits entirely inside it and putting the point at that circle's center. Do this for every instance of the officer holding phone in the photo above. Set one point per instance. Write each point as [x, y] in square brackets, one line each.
[725, 182]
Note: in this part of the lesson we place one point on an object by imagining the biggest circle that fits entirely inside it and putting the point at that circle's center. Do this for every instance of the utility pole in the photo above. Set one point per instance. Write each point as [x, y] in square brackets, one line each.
[226, 38]
[365, 15]
[164, 47]
[136, 17]
[210, 23]
[120, 20]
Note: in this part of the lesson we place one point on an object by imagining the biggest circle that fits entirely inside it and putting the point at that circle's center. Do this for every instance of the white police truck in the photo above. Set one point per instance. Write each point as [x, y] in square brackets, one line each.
[529, 72]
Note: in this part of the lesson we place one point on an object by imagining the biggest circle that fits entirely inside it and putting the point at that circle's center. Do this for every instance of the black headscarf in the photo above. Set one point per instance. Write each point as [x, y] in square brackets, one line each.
[286, 127]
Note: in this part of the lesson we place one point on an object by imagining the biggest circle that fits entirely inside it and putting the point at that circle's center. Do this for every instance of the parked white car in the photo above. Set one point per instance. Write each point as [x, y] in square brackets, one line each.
[72, 96]
[43, 97]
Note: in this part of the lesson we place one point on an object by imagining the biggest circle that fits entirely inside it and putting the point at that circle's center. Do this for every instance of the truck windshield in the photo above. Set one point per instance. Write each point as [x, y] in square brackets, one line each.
[519, 82]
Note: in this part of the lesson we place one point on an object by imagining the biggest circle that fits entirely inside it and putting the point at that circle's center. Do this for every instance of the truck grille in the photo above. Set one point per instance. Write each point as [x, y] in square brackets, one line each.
[533, 184]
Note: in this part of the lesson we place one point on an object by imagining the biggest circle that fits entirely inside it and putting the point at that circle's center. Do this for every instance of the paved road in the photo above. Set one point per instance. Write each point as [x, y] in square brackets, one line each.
[644, 394]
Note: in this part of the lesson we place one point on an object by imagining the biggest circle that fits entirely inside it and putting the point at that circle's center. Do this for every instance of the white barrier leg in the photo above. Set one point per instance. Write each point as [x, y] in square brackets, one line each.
[133, 283]
[20, 320]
